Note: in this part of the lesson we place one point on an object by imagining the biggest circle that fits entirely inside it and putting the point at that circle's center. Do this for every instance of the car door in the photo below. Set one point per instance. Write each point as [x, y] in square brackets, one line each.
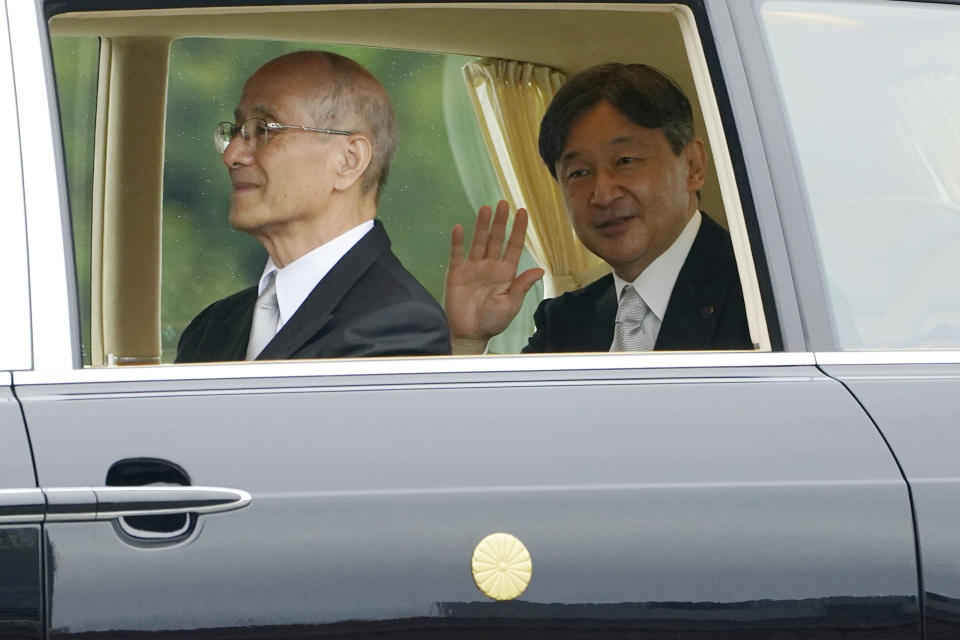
[751, 489]
[689, 494]
[913, 399]
[21, 512]
[21, 502]
[884, 211]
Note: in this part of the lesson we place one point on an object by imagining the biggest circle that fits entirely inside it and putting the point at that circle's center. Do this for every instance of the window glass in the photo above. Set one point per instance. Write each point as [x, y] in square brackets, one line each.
[442, 172]
[431, 188]
[872, 93]
[76, 61]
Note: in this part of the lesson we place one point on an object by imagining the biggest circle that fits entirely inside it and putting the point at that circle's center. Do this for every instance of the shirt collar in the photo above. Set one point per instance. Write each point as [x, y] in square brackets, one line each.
[655, 283]
[296, 280]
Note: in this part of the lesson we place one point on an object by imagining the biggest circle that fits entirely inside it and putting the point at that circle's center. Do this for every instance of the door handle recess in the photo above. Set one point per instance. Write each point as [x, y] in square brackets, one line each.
[83, 504]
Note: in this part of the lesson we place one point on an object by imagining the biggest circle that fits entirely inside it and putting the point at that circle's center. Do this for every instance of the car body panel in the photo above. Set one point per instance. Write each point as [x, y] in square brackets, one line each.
[21, 603]
[17, 468]
[369, 498]
[916, 406]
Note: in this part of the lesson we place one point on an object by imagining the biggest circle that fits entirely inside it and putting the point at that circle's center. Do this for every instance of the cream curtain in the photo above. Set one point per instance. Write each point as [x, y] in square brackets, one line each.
[510, 99]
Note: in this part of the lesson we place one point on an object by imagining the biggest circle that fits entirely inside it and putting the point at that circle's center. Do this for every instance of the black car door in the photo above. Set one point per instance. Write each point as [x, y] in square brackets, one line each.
[21, 512]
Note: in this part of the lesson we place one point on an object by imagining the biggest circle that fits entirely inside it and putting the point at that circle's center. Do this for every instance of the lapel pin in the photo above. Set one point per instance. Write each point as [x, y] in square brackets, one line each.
[706, 312]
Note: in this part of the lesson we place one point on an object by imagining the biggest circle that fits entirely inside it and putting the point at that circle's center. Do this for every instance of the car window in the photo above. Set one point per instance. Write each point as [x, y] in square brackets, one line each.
[440, 176]
[872, 91]
[442, 173]
[76, 61]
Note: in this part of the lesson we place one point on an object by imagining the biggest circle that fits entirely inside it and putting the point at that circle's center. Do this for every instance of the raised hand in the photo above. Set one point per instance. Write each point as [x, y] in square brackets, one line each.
[483, 291]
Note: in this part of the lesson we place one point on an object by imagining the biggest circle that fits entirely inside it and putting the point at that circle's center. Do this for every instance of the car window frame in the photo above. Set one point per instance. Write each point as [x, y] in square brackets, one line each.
[54, 315]
[15, 338]
[699, 40]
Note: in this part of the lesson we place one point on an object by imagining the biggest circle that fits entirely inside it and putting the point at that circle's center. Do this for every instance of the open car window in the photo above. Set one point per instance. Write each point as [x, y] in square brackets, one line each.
[438, 178]
[149, 194]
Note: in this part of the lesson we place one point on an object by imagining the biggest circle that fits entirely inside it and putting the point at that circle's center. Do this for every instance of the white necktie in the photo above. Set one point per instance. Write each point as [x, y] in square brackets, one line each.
[265, 317]
[628, 334]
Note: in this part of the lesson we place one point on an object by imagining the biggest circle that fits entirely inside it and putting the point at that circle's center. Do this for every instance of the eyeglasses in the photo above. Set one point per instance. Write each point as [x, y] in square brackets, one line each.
[257, 132]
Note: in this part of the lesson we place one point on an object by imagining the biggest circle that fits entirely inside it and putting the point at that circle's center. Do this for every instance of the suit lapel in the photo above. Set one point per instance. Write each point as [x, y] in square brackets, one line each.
[690, 320]
[228, 336]
[601, 315]
[317, 310]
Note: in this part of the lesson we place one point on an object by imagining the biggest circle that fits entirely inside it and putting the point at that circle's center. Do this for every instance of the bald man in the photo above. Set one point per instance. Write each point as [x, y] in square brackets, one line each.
[308, 154]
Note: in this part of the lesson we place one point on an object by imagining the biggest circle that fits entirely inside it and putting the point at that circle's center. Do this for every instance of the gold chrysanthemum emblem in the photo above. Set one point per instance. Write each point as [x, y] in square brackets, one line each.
[501, 566]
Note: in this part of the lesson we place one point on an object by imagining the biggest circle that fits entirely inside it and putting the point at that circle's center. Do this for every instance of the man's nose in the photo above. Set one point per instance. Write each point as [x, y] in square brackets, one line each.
[238, 153]
[606, 188]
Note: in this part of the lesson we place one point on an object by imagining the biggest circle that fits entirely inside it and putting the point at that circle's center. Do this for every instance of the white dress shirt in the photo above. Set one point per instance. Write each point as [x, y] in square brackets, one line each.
[296, 280]
[655, 283]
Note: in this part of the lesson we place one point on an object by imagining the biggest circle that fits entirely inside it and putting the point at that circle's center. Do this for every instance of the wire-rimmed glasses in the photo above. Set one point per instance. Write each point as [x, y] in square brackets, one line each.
[257, 131]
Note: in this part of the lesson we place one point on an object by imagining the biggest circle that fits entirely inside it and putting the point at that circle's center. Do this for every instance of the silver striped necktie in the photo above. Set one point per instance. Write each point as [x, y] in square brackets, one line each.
[266, 315]
[628, 334]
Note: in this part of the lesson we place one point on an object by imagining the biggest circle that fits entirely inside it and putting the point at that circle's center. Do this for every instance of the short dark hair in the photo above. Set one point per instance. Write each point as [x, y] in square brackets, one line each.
[644, 96]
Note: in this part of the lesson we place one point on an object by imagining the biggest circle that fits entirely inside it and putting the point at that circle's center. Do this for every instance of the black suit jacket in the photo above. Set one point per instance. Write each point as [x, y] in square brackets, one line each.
[367, 305]
[705, 310]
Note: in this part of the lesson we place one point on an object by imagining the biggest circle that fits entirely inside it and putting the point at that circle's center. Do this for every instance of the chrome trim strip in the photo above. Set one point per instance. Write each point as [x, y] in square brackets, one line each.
[887, 357]
[600, 487]
[6, 379]
[70, 504]
[79, 516]
[20, 506]
[86, 504]
[422, 365]
[21, 519]
[121, 502]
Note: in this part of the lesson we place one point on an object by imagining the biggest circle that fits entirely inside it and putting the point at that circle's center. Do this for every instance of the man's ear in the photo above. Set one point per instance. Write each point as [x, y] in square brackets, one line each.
[696, 164]
[354, 159]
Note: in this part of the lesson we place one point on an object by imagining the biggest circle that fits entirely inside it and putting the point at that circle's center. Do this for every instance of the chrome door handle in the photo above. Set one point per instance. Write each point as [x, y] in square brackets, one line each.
[120, 502]
[109, 503]
[79, 504]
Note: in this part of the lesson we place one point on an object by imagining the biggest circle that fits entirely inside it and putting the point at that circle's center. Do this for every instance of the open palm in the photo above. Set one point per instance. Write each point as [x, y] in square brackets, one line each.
[483, 291]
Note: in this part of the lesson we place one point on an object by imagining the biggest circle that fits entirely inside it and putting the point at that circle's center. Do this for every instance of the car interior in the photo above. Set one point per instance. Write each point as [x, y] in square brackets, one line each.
[127, 82]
